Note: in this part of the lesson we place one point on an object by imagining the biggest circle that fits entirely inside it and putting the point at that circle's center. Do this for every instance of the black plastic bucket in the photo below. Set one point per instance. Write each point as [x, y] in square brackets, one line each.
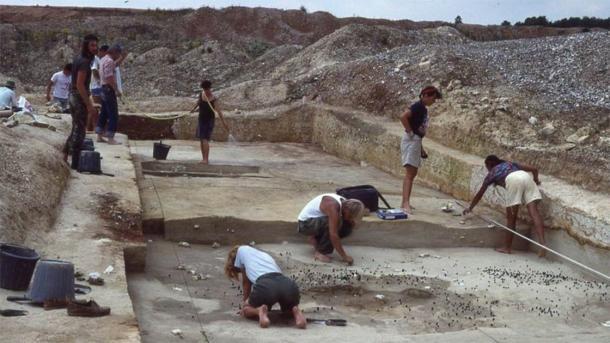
[160, 150]
[16, 266]
[90, 162]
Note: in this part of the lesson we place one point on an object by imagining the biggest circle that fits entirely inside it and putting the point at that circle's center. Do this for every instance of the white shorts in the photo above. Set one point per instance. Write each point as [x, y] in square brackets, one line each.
[410, 150]
[521, 189]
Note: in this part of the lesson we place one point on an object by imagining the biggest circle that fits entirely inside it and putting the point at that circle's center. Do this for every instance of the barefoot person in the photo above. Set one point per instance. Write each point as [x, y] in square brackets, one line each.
[208, 108]
[415, 123]
[81, 105]
[326, 219]
[263, 285]
[520, 188]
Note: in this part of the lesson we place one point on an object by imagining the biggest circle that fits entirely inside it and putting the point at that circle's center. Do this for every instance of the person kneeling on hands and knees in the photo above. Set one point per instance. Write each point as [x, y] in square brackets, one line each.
[326, 219]
[263, 285]
[521, 189]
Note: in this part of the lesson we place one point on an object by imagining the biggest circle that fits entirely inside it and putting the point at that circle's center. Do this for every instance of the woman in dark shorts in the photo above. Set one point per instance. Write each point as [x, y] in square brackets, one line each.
[263, 285]
[208, 108]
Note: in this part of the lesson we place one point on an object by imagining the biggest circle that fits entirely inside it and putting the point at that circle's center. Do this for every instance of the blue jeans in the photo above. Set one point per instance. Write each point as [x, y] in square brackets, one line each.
[109, 114]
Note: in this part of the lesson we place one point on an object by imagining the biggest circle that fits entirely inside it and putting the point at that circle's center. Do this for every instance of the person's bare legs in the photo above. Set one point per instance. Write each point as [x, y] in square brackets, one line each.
[299, 318]
[532, 209]
[407, 186]
[205, 151]
[318, 256]
[511, 223]
[261, 313]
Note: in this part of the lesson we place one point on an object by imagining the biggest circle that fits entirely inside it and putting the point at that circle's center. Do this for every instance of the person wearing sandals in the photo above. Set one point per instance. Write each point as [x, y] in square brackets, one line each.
[521, 189]
[415, 122]
[263, 285]
[208, 108]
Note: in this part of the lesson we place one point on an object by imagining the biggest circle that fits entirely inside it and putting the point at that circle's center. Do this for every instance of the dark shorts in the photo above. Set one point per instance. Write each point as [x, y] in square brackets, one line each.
[96, 91]
[273, 288]
[205, 128]
[318, 228]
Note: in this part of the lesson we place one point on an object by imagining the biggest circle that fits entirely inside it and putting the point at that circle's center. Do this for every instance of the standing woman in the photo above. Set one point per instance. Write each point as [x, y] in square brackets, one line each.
[521, 188]
[208, 108]
[415, 123]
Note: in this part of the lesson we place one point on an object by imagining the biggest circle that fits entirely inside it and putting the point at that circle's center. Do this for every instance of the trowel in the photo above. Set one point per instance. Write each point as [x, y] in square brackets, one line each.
[328, 322]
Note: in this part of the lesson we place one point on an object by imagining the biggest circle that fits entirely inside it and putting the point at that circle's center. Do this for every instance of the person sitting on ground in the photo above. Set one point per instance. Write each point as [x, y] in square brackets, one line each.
[326, 219]
[8, 98]
[96, 84]
[520, 187]
[110, 108]
[415, 122]
[60, 82]
[208, 108]
[263, 285]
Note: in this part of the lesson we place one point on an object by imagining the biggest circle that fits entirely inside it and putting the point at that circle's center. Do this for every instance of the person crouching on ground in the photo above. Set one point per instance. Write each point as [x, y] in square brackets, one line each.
[521, 188]
[208, 108]
[263, 285]
[326, 219]
[415, 123]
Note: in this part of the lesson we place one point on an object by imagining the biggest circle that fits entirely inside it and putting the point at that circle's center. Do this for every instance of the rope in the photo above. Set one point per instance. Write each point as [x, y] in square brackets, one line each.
[491, 221]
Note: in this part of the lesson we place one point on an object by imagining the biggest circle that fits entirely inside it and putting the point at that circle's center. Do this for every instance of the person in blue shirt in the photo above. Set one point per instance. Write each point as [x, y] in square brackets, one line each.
[521, 189]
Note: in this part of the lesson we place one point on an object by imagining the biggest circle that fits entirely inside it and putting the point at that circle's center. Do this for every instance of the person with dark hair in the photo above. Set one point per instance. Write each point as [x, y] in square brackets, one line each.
[263, 285]
[521, 189]
[208, 109]
[96, 84]
[60, 82]
[415, 122]
[110, 107]
[80, 104]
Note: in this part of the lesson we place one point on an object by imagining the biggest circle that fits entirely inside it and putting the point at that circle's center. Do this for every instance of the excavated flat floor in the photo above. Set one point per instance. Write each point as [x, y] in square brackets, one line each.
[431, 278]
[389, 295]
[254, 191]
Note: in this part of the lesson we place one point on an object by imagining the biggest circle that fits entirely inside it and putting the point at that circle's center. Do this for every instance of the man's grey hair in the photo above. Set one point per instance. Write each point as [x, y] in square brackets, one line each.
[354, 208]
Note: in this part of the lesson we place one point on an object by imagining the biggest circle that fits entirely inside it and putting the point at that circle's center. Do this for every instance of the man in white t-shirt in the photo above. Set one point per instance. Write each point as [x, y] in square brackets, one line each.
[264, 285]
[326, 219]
[60, 82]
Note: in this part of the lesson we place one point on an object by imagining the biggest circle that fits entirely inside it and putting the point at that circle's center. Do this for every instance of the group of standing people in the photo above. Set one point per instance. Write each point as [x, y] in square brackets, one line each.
[103, 88]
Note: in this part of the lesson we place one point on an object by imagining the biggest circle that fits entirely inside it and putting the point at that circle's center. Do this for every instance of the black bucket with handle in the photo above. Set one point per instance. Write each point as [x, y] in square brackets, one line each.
[160, 150]
[16, 266]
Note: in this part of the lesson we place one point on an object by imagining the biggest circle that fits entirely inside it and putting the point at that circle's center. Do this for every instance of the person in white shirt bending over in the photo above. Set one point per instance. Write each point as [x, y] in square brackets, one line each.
[60, 82]
[263, 285]
[326, 219]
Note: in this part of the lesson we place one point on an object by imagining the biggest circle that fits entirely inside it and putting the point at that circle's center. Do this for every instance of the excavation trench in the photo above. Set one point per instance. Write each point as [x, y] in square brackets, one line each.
[252, 192]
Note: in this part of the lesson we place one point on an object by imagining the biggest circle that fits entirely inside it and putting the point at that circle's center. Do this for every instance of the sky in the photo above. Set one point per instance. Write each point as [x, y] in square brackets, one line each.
[471, 11]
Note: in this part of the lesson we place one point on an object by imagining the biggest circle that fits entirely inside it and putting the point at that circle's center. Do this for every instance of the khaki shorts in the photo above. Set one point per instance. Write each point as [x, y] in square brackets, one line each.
[521, 189]
[410, 150]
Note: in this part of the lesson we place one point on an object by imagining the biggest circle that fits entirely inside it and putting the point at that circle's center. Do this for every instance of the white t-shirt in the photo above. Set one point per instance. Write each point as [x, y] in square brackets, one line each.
[312, 209]
[255, 262]
[61, 85]
[95, 65]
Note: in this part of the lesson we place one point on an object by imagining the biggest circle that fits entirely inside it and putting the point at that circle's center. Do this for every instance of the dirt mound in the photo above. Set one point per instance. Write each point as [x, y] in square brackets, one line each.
[33, 178]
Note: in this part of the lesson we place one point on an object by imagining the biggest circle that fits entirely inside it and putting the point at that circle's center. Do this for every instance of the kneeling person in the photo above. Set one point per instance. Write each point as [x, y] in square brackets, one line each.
[326, 219]
[263, 285]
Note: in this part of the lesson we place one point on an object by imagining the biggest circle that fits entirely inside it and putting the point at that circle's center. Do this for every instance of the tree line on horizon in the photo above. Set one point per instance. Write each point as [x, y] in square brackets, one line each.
[588, 22]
